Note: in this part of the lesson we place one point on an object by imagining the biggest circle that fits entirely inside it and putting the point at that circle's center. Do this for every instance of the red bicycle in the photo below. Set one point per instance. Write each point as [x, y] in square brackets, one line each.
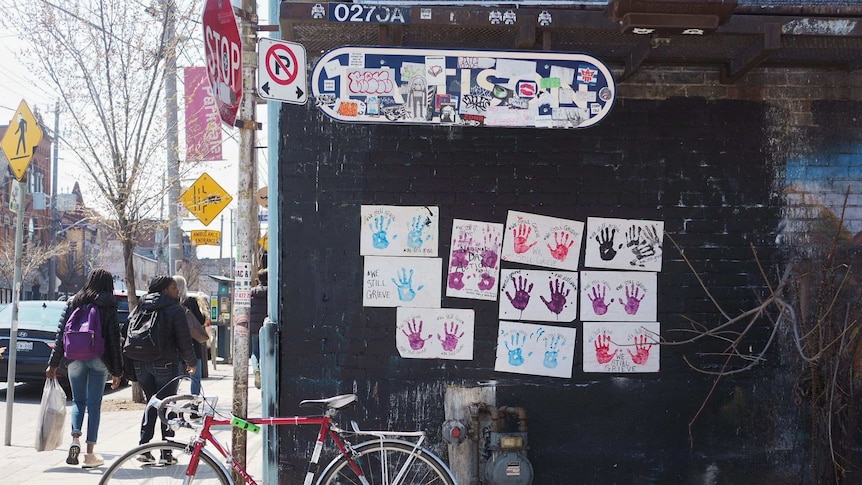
[387, 458]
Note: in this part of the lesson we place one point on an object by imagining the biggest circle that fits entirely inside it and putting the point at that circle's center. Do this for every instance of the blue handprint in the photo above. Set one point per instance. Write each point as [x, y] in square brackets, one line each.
[416, 227]
[516, 353]
[552, 349]
[380, 228]
[405, 286]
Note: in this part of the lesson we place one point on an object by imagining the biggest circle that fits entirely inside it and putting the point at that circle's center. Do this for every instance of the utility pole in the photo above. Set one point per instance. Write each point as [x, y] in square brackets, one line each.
[246, 220]
[175, 241]
[52, 267]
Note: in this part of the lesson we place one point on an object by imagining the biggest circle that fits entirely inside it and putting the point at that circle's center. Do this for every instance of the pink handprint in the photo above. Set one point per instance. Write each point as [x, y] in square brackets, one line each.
[487, 282]
[451, 341]
[489, 252]
[598, 299]
[461, 256]
[522, 236]
[603, 345]
[563, 242]
[633, 299]
[522, 293]
[414, 337]
[642, 349]
[456, 280]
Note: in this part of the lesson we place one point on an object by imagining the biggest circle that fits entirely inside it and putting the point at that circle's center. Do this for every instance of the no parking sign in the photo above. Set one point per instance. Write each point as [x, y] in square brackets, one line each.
[282, 72]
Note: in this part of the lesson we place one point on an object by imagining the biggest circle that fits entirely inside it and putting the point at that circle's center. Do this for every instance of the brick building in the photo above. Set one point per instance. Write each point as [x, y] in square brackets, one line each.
[744, 140]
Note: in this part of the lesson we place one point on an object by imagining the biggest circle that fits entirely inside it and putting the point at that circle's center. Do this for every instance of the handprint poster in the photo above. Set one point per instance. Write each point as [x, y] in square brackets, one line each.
[624, 244]
[621, 347]
[535, 295]
[394, 282]
[474, 260]
[399, 230]
[615, 296]
[542, 241]
[541, 350]
[430, 333]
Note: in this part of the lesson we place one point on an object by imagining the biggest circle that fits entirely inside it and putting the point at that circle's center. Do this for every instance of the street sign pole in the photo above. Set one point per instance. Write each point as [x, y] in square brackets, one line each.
[13, 332]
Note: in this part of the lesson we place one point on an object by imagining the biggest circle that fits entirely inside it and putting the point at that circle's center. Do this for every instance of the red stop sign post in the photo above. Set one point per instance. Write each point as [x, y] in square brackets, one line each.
[224, 57]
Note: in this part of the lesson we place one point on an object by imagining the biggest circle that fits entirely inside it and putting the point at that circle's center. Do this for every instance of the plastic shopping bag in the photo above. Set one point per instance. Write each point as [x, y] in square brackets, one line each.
[52, 416]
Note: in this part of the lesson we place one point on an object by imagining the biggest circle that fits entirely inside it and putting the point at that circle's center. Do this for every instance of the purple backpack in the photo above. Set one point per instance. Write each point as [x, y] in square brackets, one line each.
[82, 335]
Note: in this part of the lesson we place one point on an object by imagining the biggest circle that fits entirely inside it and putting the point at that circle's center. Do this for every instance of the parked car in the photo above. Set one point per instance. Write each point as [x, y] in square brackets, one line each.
[37, 327]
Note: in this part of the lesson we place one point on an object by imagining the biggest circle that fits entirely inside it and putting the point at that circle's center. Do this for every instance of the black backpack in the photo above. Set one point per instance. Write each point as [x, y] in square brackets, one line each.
[144, 338]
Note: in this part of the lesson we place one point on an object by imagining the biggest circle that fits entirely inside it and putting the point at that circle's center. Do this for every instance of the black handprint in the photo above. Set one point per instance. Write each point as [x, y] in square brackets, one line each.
[605, 239]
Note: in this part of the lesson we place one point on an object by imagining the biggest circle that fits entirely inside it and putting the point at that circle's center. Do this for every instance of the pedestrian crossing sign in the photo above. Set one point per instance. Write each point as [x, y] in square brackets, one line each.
[21, 139]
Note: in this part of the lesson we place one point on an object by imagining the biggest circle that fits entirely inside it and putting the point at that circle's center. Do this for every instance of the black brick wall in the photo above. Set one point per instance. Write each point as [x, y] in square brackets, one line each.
[700, 166]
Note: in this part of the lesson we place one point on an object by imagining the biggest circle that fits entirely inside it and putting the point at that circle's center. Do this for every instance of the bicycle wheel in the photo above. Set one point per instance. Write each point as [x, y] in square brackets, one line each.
[382, 462]
[127, 469]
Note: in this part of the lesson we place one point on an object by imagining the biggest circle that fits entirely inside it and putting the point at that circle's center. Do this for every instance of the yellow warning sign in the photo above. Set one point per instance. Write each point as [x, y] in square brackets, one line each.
[206, 238]
[205, 199]
[21, 139]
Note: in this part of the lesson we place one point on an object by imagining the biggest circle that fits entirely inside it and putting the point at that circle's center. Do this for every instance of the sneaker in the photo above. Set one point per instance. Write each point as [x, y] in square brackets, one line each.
[92, 460]
[74, 451]
[168, 458]
[257, 379]
[146, 458]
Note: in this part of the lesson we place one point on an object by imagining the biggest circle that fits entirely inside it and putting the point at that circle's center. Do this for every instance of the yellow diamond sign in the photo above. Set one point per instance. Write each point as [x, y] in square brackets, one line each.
[205, 199]
[21, 139]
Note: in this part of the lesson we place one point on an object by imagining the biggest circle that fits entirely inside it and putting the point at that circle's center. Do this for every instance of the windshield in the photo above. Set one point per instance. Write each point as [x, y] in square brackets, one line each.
[34, 315]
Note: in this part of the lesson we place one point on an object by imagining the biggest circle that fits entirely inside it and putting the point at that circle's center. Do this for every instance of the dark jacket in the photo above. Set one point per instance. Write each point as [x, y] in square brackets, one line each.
[191, 304]
[113, 356]
[258, 311]
[176, 339]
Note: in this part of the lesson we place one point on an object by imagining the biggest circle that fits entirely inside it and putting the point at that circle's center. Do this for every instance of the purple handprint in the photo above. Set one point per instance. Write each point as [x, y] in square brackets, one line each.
[522, 293]
[598, 299]
[414, 337]
[633, 299]
[451, 341]
[558, 298]
[489, 252]
[487, 282]
[461, 256]
[456, 280]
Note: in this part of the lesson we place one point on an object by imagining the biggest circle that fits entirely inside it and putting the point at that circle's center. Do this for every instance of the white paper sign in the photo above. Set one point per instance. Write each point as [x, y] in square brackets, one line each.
[540, 350]
[621, 347]
[624, 244]
[429, 333]
[394, 282]
[542, 241]
[241, 285]
[399, 231]
[546, 296]
[616, 296]
[474, 260]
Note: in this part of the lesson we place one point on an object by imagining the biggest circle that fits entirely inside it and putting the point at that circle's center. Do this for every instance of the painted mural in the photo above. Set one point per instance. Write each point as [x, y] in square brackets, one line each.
[462, 87]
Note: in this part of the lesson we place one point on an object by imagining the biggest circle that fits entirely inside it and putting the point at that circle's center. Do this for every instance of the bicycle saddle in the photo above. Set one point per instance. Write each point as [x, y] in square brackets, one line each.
[334, 402]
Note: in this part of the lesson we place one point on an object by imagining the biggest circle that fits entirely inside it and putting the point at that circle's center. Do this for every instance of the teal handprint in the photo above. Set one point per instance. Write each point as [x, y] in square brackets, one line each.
[405, 285]
[380, 230]
[515, 346]
[553, 343]
[416, 227]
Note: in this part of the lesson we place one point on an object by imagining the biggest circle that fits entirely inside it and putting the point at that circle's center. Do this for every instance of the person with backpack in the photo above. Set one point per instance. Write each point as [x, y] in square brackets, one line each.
[89, 336]
[193, 316]
[156, 338]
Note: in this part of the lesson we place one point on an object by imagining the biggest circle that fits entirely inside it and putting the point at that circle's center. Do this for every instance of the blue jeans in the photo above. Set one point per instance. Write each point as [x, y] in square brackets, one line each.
[195, 387]
[156, 378]
[87, 378]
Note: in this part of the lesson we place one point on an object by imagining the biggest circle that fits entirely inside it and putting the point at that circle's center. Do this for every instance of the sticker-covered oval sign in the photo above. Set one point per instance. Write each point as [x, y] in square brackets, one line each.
[463, 87]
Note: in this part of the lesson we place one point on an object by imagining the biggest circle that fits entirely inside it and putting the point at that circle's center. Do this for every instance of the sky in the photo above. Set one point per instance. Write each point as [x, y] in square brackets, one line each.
[18, 82]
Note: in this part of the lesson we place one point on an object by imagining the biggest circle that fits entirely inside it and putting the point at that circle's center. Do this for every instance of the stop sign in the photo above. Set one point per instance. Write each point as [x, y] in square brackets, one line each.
[224, 57]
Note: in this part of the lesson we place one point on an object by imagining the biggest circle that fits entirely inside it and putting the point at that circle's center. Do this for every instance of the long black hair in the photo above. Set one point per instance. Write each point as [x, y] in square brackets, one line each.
[99, 281]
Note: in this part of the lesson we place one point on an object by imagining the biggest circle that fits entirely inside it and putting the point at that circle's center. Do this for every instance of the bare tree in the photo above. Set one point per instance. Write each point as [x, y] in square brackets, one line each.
[35, 255]
[106, 61]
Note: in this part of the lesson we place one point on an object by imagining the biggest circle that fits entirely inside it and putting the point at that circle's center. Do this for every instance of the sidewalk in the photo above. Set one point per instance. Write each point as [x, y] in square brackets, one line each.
[118, 432]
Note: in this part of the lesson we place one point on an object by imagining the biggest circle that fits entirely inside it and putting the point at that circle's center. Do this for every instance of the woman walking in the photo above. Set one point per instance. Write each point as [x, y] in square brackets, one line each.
[87, 377]
[190, 304]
